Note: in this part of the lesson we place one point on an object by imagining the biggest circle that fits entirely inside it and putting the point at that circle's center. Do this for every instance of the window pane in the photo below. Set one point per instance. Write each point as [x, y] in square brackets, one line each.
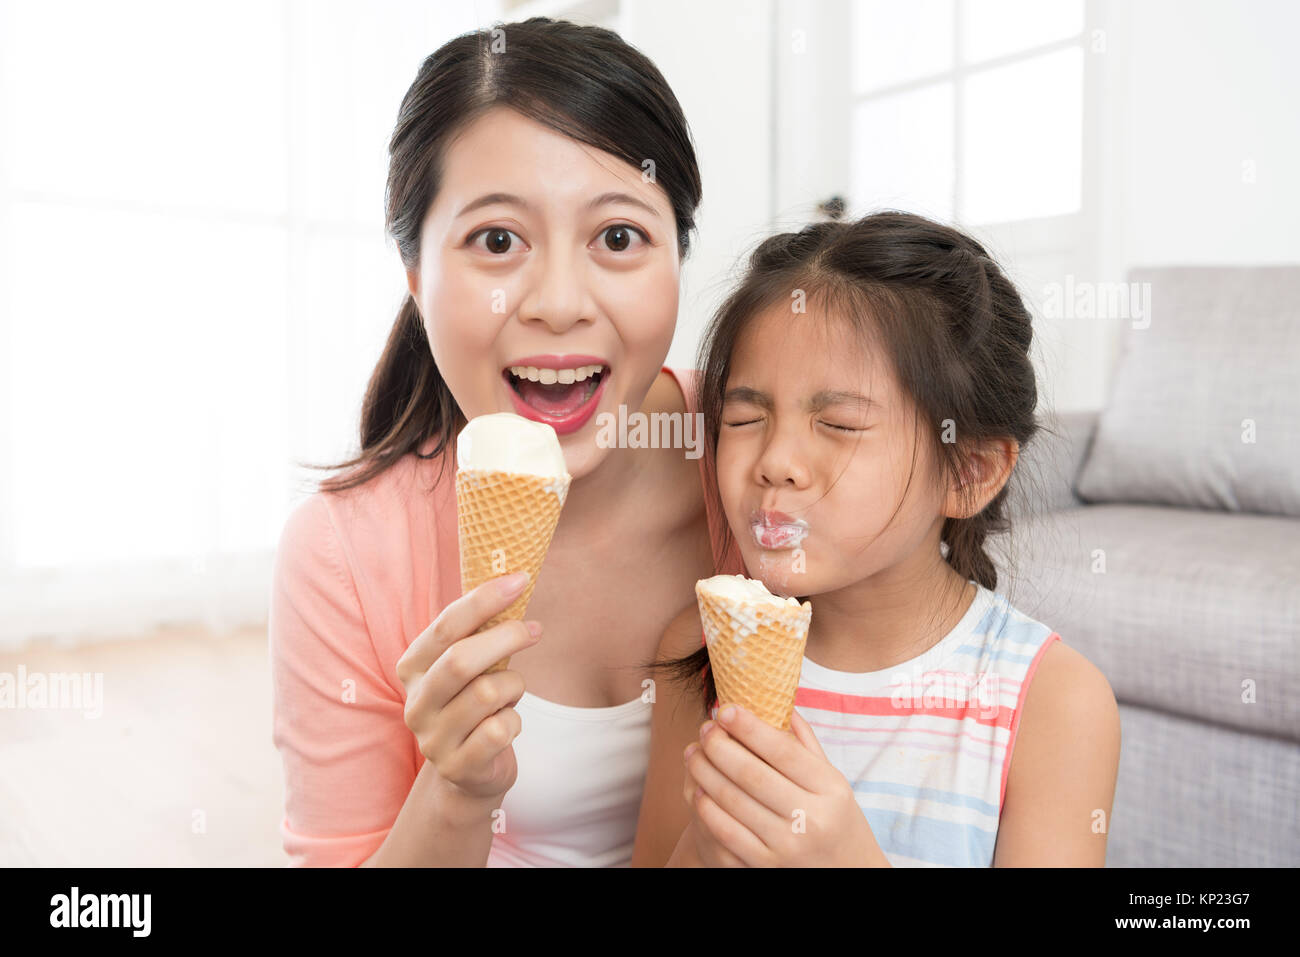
[351, 290]
[894, 42]
[147, 385]
[992, 28]
[160, 102]
[903, 152]
[352, 64]
[1022, 125]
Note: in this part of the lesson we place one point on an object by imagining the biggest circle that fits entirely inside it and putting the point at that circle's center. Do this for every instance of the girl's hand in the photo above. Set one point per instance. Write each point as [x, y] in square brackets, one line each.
[463, 719]
[765, 798]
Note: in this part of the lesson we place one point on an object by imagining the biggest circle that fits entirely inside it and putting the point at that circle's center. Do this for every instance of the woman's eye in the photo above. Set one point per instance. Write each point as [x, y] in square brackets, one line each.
[619, 238]
[746, 422]
[498, 240]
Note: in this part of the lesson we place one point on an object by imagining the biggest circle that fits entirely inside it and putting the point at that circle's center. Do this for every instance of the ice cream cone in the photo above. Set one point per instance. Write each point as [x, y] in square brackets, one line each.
[755, 648]
[506, 521]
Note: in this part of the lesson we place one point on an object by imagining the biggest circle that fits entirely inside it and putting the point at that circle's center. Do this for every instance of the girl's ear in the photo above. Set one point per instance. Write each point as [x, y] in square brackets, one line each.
[984, 471]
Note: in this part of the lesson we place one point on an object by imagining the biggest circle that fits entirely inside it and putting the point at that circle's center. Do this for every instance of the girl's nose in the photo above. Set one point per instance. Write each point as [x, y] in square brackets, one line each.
[782, 464]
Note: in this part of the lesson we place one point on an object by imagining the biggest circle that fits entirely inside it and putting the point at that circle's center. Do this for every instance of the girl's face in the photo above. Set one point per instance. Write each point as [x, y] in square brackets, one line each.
[814, 453]
[548, 279]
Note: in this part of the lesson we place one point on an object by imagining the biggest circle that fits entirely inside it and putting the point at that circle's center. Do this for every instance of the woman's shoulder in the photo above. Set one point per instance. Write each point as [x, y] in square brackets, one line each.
[407, 488]
[687, 380]
[387, 534]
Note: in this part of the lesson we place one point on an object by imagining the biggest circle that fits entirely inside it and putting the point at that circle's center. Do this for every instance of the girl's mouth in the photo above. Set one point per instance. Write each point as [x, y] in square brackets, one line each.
[776, 530]
[563, 398]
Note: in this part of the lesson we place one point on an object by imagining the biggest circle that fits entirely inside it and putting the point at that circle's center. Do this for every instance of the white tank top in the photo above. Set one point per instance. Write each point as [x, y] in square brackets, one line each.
[577, 796]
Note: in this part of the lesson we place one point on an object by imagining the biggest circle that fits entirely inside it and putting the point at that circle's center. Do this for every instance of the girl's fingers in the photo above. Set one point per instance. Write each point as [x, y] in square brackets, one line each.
[738, 847]
[460, 618]
[804, 733]
[757, 818]
[751, 774]
[779, 749]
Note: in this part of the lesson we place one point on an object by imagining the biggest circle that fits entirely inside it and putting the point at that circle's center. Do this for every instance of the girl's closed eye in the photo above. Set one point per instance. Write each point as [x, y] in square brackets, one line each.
[742, 422]
[844, 428]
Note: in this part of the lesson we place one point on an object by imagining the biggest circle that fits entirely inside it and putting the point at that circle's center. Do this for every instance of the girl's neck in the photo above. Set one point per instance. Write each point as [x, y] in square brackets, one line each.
[889, 618]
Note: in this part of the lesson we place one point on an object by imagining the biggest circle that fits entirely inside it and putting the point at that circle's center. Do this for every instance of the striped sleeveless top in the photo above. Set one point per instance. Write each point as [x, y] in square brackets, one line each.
[926, 744]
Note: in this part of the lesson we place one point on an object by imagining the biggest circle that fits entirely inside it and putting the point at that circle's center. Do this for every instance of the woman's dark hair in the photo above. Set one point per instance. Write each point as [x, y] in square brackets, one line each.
[582, 81]
[956, 332]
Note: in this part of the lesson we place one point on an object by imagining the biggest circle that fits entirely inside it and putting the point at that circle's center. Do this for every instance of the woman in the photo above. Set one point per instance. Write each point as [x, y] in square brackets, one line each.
[542, 187]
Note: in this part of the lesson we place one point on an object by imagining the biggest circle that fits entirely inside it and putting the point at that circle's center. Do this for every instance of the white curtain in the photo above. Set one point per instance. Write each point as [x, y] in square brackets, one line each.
[195, 284]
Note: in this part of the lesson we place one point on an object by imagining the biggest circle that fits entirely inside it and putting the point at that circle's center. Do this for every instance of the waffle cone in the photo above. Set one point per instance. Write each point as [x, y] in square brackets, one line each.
[755, 653]
[505, 521]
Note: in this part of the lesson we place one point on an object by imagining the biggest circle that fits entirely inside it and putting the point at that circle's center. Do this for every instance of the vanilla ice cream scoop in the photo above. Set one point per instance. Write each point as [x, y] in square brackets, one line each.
[739, 588]
[505, 442]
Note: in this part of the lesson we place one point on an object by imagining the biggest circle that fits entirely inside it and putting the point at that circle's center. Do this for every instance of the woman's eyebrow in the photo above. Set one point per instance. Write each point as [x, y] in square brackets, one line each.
[491, 199]
[819, 400]
[626, 199]
[510, 199]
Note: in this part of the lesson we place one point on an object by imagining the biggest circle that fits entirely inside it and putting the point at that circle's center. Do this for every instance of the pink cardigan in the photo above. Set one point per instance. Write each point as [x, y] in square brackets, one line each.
[358, 575]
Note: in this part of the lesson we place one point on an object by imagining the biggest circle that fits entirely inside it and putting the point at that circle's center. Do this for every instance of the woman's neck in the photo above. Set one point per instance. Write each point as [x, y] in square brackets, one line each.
[595, 501]
[889, 618]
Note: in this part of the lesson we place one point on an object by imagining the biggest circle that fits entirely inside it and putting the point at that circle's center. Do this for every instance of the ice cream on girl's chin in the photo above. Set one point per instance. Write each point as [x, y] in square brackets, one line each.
[505, 442]
[738, 588]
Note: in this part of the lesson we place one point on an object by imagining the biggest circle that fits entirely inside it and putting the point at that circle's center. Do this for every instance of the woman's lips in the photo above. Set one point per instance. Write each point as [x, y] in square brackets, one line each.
[564, 418]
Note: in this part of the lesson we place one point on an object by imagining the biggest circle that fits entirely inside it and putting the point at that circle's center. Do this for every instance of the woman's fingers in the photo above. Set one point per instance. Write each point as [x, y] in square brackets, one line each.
[461, 618]
[489, 738]
[465, 661]
[480, 699]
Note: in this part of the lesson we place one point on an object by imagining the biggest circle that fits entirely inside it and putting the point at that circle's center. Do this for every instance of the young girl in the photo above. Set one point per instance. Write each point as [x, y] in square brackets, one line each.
[866, 392]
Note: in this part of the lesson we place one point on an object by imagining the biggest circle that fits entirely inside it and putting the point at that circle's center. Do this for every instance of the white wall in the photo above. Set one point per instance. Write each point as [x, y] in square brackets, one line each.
[717, 59]
[1199, 144]
[1212, 86]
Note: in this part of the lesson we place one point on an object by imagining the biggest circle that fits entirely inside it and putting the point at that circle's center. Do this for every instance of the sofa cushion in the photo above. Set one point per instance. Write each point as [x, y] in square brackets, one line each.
[1203, 411]
[1192, 794]
[1185, 611]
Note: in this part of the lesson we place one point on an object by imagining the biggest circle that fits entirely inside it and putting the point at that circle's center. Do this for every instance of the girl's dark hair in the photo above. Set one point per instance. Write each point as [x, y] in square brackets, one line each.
[582, 81]
[954, 327]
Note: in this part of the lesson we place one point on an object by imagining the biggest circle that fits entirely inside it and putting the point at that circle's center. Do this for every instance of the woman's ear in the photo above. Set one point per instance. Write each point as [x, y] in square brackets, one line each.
[985, 469]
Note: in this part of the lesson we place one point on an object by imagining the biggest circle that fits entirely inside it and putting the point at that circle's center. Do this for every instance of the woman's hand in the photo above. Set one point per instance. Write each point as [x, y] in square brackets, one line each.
[765, 798]
[463, 719]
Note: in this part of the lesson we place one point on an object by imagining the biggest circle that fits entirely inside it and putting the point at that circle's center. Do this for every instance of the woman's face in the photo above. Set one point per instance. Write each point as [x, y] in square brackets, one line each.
[814, 453]
[548, 279]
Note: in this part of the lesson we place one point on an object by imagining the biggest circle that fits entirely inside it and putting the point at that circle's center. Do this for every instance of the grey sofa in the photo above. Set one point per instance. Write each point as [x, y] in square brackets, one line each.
[1171, 559]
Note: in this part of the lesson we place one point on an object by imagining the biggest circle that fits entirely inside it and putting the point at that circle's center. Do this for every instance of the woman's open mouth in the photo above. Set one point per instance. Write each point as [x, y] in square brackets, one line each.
[563, 396]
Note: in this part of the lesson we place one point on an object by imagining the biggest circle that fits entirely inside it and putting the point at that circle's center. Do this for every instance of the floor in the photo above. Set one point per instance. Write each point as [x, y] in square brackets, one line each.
[178, 771]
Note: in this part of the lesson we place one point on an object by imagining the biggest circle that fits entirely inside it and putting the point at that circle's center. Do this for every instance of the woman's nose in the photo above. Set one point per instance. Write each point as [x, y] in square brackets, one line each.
[558, 294]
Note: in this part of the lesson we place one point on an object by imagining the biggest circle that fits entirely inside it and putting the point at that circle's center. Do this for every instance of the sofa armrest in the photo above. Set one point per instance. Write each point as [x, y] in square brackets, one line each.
[1049, 464]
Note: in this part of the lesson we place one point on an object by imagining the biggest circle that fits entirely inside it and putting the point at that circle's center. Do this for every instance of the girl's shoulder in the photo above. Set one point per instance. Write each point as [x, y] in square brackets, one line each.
[1059, 784]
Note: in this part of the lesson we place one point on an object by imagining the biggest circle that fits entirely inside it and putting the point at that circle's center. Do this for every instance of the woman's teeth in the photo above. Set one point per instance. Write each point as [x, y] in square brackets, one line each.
[552, 376]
